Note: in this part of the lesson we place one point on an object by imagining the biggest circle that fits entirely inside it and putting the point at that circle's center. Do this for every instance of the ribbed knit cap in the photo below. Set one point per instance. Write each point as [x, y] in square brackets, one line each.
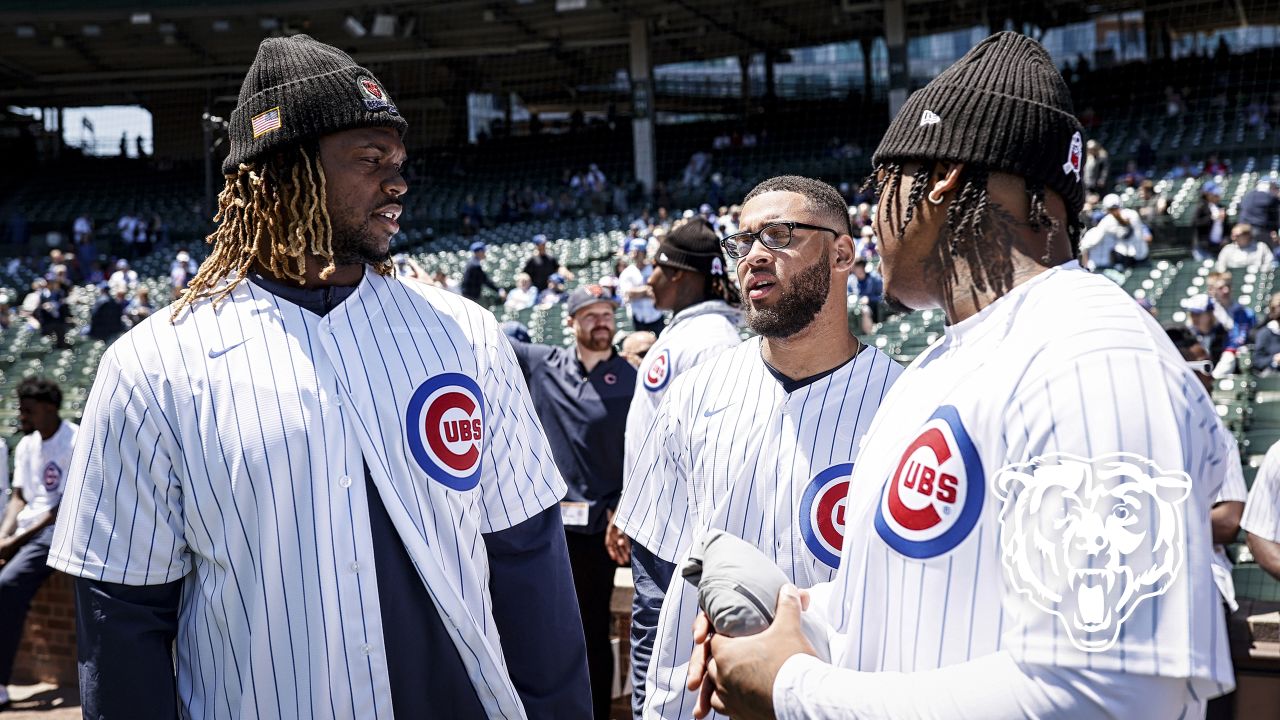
[694, 246]
[1003, 106]
[299, 88]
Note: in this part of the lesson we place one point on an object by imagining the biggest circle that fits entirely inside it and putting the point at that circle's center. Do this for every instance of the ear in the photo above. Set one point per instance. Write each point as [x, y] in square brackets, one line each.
[568, 321]
[945, 178]
[844, 255]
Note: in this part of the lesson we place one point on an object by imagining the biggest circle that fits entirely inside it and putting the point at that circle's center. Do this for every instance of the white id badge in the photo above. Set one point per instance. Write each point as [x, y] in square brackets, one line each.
[574, 513]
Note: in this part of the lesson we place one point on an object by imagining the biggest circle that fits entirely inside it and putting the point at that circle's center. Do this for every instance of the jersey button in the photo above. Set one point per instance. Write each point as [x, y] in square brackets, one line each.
[337, 401]
[345, 481]
[366, 649]
[355, 567]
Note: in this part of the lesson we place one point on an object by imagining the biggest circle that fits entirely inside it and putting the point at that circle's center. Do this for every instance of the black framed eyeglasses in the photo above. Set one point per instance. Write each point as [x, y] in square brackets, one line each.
[775, 236]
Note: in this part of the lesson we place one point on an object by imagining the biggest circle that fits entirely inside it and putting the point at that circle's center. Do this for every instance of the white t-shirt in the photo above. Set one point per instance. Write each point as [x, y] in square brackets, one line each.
[40, 471]
[1131, 240]
[640, 309]
[1038, 483]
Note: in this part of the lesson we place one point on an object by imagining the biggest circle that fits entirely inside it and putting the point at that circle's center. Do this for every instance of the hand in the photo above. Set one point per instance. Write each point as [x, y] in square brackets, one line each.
[1275, 360]
[8, 548]
[743, 670]
[616, 543]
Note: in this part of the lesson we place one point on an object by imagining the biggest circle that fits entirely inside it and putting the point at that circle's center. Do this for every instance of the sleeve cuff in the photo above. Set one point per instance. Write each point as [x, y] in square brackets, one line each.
[788, 685]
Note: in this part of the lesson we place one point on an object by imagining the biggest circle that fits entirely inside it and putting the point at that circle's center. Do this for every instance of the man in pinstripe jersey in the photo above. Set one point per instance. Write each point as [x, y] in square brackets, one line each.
[1035, 541]
[761, 439]
[315, 489]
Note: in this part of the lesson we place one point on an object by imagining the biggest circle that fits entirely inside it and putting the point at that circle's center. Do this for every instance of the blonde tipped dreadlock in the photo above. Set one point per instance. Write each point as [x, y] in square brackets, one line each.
[272, 213]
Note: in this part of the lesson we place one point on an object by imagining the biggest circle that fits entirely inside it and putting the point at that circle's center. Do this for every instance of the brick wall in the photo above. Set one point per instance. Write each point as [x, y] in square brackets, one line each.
[48, 649]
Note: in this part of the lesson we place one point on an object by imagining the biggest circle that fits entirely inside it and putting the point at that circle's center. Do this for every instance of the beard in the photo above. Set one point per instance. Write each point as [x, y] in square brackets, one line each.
[799, 304]
[358, 246]
[597, 340]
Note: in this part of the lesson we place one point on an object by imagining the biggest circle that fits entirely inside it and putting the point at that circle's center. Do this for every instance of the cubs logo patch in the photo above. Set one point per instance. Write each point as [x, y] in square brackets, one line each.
[1089, 539]
[445, 422]
[822, 512]
[1074, 157]
[934, 497]
[658, 373]
[52, 476]
[375, 98]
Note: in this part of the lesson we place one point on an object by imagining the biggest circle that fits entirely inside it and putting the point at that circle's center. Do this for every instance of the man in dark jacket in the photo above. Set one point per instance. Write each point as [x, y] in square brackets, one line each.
[1260, 208]
[475, 279]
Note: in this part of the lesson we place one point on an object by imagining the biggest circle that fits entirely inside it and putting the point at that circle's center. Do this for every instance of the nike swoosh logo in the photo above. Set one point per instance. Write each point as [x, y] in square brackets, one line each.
[711, 413]
[219, 353]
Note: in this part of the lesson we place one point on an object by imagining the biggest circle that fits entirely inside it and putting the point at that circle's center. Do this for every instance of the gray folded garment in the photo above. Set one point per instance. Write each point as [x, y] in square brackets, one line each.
[738, 588]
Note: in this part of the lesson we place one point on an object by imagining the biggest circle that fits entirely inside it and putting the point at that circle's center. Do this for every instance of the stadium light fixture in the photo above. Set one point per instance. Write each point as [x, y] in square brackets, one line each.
[91, 31]
[384, 26]
[25, 31]
[269, 23]
[221, 26]
[140, 18]
[354, 27]
[167, 28]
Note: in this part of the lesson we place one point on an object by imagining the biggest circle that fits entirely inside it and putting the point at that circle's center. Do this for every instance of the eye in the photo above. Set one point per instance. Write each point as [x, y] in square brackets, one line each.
[1121, 512]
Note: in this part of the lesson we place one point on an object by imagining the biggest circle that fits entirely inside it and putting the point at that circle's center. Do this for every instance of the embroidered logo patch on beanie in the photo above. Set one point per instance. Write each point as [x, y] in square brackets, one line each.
[266, 122]
[1072, 165]
[375, 98]
[929, 118]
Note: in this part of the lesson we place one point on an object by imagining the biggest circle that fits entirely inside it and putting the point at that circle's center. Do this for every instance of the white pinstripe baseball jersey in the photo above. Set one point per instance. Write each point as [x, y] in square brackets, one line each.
[696, 334]
[228, 449]
[1233, 490]
[1262, 509]
[730, 449]
[1044, 474]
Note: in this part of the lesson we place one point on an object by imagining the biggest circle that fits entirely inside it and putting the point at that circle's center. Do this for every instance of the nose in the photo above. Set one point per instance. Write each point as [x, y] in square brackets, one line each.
[395, 185]
[758, 255]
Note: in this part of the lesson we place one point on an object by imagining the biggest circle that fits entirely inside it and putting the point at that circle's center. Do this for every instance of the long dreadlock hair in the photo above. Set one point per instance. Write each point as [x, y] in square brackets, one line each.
[968, 216]
[273, 213]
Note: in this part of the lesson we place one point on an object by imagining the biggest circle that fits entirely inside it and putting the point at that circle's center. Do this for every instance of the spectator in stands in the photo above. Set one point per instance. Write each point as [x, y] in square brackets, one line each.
[610, 285]
[124, 275]
[181, 270]
[1236, 317]
[636, 293]
[1214, 166]
[1209, 222]
[1245, 250]
[82, 229]
[1097, 167]
[31, 301]
[106, 320]
[1204, 323]
[862, 217]
[1097, 248]
[53, 315]
[523, 296]
[127, 226]
[471, 209]
[541, 265]
[1133, 176]
[1132, 238]
[6, 313]
[40, 463]
[442, 280]
[1260, 209]
[866, 248]
[868, 288]
[554, 292]
[697, 169]
[1262, 531]
[140, 307]
[1266, 343]
[1152, 206]
[475, 279]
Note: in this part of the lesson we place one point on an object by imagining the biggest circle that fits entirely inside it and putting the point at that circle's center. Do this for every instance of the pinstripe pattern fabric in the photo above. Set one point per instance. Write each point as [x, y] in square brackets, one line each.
[228, 450]
[730, 449]
[1262, 510]
[1065, 363]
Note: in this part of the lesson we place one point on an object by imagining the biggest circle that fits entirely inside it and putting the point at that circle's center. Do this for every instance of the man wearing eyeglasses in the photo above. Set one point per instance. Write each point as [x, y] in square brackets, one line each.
[761, 440]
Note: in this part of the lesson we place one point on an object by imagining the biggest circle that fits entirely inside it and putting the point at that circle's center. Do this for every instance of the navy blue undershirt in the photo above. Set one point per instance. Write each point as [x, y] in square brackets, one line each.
[126, 632]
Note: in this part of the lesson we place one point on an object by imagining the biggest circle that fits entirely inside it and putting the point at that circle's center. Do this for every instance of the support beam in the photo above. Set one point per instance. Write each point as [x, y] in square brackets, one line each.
[644, 149]
[895, 35]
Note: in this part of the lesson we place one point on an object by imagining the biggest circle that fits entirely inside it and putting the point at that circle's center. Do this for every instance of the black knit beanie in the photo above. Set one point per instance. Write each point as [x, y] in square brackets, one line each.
[1003, 106]
[298, 89]
[693, 246]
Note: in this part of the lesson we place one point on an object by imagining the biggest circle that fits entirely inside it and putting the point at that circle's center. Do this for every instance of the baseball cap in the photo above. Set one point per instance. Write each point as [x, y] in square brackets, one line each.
[587, 295]
[638, 244]
[477, 246]
[182, 257]
[1211, 188]
[556, 278]
[1111, 202]
[1198, 304]
[539, 239]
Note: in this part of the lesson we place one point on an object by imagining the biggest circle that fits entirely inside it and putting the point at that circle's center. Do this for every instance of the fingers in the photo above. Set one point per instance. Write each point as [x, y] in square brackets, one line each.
[804, 599]
[789, 606]
[701, 628]
[706, 694]
[697, 666]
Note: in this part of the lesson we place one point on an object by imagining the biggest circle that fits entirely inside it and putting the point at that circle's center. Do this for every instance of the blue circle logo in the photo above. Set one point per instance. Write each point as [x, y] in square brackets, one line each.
[445, 423]
[822, 512]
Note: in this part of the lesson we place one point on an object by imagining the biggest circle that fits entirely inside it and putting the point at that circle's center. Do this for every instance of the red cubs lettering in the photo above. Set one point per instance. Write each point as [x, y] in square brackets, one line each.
[947, 488]
[926, 517]
[454, 430]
